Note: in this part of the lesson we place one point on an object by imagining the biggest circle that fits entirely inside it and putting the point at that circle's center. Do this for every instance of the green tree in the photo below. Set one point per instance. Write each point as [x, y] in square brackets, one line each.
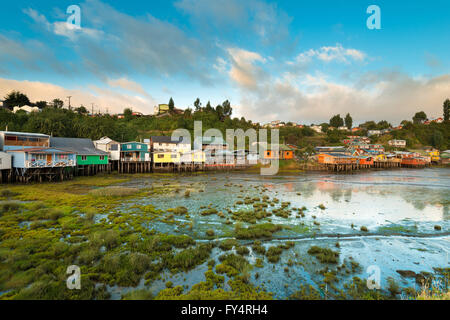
[383, 124]
[325, 126]
[220, 113]
[41, 104]
[82, 110]
[227, 110]
[128, 114]
[16, 98]
[446, 110]
[348, 121]
[57, 103]
[171, 105]
[336, 121]
[437, 139]
[419, 117]
[188, 113]
[208, 107]
[197, 105]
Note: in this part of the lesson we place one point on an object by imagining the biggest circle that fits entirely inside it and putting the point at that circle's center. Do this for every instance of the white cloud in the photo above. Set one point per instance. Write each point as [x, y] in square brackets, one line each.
[330, 53]
[62, 28]
[244, 71]
[388, 98]
[129, 85]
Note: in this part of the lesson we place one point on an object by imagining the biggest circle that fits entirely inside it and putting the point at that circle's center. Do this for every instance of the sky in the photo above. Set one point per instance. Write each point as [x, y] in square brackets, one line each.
[299, 61]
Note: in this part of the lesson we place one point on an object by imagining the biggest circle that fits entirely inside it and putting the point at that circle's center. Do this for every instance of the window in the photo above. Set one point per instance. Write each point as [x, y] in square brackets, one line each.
[268, 153]
[114, 147]
[83, 158]
[160, 156]
[102, 158]
[128, 146]
[38, 157]
[63, 156]
[173, 156]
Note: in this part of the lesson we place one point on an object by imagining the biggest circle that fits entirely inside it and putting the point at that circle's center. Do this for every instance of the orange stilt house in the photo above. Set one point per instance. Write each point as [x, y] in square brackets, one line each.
[278, 152]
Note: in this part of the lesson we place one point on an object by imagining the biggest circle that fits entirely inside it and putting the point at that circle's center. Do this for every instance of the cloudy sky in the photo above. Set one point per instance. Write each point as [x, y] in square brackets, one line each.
[300, 61]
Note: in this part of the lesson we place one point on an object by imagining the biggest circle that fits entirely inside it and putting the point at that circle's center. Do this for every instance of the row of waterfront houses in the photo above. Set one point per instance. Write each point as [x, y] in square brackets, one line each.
[36, 157]
[358, 152]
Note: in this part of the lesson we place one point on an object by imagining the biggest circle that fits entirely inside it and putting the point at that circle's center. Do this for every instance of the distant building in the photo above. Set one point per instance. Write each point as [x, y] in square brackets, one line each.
[397, 143]
[110, 146]
[338, 149]
[373, 132]
[343, 128]
[317, 129]
[161, 108]
[27, 109]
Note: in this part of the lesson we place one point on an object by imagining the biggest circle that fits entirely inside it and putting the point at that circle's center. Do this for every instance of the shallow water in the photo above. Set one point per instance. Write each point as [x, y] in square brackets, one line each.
[400, 209]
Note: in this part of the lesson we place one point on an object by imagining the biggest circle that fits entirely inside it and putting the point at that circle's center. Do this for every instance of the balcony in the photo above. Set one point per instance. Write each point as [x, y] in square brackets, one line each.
[49, 164]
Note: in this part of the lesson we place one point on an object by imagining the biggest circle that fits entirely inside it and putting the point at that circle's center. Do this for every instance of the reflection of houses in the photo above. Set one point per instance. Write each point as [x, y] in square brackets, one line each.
[89, 160]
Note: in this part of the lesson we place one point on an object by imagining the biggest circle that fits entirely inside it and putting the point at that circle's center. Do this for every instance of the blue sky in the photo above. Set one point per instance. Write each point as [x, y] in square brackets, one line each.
[300, 61]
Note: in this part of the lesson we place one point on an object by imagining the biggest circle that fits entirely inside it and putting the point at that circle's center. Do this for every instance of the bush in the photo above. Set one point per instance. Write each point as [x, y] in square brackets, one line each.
[264, 230]
[324, 255]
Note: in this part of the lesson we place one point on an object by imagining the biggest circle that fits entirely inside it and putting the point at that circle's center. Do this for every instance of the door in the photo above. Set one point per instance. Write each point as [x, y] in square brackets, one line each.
[49, 158]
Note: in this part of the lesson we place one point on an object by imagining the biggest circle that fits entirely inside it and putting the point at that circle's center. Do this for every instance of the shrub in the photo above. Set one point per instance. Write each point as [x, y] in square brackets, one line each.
[324, 255]
[242, 251]
[264, 230]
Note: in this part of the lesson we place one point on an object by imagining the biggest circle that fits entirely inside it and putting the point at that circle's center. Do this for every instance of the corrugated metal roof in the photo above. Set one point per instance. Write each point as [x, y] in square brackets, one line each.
[84, 147]
[42, 150]
[26, 134]
[164, 139]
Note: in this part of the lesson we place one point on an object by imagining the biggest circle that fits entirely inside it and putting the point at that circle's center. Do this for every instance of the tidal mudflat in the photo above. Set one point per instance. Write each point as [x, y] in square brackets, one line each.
[228, 235]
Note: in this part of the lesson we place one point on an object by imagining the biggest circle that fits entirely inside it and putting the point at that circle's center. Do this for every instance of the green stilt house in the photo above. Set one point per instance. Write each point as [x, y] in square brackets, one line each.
[89, 159]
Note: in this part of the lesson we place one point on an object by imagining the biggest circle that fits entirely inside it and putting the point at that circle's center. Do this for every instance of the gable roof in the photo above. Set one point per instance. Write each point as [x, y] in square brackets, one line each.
[165, 139]
[83, 147]
[105, 140]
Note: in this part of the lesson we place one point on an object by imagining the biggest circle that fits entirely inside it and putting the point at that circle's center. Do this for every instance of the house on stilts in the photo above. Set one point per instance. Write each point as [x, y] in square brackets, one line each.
[33, 159]
[89, 160]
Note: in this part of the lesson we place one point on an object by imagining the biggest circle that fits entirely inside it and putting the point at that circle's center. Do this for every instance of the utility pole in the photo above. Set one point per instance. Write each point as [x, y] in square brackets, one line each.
[70, 107]
[92, 104]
